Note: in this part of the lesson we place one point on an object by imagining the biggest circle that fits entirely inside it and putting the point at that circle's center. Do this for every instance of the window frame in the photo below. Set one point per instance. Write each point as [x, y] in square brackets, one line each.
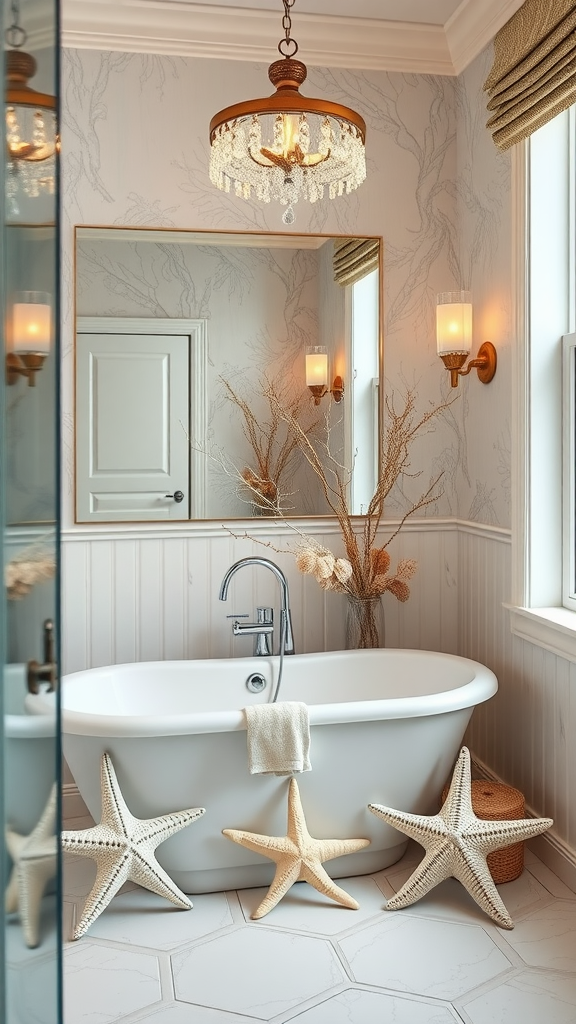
[543, 289]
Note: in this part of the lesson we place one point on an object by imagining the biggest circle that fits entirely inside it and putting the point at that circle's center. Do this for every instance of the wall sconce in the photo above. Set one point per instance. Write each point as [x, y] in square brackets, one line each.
[31, 332]
[454, 338]
[317, 375]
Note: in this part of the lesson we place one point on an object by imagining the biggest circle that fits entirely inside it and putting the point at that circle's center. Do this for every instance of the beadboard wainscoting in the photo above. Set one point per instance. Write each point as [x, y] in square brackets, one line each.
[523, 736]
[151, 594]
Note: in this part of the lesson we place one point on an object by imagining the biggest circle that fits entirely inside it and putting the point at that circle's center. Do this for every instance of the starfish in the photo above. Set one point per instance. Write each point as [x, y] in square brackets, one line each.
[35, 863]
[298, 857]
[457, 844]
[123, 847]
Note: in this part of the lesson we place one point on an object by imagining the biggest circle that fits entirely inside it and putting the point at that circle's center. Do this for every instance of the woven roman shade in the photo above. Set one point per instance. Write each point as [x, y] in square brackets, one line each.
[354, 258]
[533, 77]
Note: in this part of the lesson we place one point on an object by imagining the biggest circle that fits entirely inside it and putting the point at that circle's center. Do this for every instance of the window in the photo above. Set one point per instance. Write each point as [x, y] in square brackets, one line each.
[569, 472]
[364, 399]
[544, 609]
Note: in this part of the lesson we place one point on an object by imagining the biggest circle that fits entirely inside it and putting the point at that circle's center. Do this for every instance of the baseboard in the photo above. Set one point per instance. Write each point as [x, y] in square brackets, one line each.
[73, 805]
[548, 847]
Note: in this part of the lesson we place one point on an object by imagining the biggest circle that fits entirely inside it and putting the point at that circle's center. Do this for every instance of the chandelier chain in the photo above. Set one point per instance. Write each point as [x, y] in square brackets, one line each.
[288, 47]
[15, 35]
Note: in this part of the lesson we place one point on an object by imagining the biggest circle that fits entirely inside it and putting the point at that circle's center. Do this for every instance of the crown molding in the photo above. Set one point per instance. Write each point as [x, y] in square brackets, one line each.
[237, 33]
[188, 29]
[473, 25]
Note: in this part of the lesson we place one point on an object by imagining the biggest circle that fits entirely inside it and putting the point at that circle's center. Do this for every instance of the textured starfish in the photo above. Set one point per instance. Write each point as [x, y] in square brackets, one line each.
[457, 844]
[35, 863]
[123, 847]
[298, 857]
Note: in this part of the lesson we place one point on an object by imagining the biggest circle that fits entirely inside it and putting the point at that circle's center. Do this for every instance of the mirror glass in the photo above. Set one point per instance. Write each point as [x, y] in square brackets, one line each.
[191, 352]
[30, 932]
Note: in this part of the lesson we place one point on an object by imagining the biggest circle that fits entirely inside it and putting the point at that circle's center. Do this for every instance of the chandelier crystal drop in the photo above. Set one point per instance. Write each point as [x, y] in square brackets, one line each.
[31, 130]
[286, 146]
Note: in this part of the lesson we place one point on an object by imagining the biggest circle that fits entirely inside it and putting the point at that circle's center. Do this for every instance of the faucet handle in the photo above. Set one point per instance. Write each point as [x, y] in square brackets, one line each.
[264, 615]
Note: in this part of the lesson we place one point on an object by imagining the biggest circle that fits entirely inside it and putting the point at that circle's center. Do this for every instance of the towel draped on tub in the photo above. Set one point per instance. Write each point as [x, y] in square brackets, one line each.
[278, 738]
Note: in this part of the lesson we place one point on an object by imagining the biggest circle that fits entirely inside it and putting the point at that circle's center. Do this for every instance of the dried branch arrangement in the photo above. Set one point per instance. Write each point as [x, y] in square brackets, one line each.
[273, 441]
[364, 573]
[26, 570]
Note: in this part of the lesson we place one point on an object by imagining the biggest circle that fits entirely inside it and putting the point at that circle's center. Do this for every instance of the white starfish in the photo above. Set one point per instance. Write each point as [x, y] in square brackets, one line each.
[298, 856]
[457, 844]
[35, 863]
[123, 848]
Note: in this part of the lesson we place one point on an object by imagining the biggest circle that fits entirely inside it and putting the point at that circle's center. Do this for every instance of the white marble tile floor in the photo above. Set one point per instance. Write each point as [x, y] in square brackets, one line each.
[310, 961]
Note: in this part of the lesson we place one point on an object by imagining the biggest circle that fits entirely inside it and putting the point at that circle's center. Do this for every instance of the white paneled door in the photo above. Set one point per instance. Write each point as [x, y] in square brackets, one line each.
[133, 401]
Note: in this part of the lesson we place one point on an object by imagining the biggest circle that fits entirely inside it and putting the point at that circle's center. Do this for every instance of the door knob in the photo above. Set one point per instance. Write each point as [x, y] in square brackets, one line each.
[178, 496]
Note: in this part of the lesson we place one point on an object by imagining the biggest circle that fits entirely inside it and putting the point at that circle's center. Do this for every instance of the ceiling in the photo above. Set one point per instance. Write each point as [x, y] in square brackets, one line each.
[422, 36]
[427, 12]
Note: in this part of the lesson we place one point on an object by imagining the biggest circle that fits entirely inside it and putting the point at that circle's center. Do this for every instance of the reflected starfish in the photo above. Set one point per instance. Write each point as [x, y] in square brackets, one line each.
[123, 847]
[298, 857]
[35, 863]
[457, 844]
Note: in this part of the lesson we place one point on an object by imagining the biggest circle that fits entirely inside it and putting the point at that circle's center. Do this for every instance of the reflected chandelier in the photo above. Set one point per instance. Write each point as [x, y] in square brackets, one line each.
[30, 121]
[287, 146]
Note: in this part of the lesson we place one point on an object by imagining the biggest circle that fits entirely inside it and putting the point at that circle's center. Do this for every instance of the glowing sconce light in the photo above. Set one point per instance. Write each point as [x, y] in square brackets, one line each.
[454, 338]
[317, 375]
[31, 334]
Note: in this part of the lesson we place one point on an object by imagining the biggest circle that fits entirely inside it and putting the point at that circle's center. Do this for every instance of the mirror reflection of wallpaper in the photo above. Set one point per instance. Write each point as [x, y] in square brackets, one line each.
[135, 146]
[262, 307]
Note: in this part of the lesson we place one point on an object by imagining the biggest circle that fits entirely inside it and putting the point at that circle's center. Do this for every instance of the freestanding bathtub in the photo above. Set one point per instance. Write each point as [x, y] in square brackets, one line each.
[30, 754]
[386, 727]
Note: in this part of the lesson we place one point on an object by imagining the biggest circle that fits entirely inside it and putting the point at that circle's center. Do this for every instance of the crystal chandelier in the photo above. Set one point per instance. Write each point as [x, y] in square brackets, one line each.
[287, 146]
[31, 140]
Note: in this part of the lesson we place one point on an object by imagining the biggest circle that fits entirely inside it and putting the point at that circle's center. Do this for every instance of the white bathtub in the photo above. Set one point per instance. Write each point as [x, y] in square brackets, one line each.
[29, 754]
[386, 726]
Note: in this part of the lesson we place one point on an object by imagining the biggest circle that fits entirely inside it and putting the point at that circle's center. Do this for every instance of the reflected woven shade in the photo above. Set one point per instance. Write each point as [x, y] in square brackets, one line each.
[354, 258]
[533, 77]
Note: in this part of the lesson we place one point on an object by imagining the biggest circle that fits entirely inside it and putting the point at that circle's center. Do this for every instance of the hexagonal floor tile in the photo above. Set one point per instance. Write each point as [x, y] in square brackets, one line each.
[450, 900]
[424, 957]
[355, 1005]
[141, 918]
[101, 984]
[185, 1013]
[266, 972]
[532, 998]
[31, 992]
[547, 936]
[305, 909]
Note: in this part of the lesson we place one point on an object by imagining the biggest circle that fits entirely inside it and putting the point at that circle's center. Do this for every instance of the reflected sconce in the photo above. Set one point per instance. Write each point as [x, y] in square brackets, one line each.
[317, 375]
[31, 332]
[454, 338]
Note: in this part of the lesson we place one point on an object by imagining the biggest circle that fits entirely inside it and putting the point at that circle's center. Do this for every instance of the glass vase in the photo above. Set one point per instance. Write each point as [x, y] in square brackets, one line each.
[364, 622]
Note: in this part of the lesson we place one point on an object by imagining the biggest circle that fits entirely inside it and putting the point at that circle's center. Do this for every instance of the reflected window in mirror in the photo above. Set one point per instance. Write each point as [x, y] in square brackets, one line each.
[246, 306]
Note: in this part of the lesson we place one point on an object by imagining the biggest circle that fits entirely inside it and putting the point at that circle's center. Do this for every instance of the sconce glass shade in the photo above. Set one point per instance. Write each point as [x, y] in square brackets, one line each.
[454, 323]
[316, 366]
[31, 323]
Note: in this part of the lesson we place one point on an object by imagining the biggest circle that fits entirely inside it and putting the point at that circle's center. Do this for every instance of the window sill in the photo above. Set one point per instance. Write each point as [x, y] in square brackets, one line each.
[551, 628]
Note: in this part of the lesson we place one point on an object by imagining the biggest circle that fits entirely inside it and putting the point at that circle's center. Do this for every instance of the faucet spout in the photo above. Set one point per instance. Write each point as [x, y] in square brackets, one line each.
[287, 636]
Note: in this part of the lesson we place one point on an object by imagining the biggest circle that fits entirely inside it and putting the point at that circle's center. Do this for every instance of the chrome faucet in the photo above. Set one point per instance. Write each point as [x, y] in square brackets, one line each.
[263, 628]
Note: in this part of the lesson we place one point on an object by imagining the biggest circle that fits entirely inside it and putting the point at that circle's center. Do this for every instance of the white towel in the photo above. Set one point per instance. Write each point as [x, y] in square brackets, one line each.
[278, 738]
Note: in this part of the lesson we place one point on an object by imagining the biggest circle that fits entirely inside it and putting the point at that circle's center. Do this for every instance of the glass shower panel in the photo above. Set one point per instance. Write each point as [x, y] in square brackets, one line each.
[30, 932]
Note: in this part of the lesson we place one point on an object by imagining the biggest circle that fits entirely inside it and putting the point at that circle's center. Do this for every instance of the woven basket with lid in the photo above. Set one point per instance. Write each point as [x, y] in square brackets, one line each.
[494, 801]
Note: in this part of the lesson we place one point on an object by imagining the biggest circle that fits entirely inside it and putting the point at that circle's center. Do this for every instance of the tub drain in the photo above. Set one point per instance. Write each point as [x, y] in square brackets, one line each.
[255, 683]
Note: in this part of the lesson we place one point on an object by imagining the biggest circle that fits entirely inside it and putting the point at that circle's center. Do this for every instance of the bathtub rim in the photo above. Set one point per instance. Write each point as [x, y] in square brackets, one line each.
[480, 688]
